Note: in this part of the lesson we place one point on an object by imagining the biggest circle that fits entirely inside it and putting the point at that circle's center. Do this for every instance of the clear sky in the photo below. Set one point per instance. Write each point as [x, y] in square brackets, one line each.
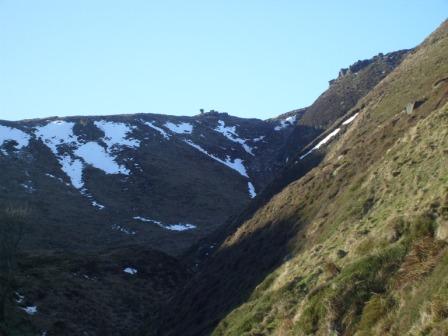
[251, 58]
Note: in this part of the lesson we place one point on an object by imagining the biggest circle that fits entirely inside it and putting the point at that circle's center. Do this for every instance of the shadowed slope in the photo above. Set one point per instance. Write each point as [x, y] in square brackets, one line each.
[334, 232]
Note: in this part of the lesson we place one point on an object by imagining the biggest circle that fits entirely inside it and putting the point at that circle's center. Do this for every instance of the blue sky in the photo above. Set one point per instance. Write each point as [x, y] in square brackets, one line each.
[251, 58]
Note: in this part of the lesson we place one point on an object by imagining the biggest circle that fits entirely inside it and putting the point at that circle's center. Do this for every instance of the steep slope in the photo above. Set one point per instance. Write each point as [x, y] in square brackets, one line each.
[352, 84]
[344, 92]
[102, 193]
[161, 181]
[358, 246]
[110, 191]
[309, 130]
[152, 179]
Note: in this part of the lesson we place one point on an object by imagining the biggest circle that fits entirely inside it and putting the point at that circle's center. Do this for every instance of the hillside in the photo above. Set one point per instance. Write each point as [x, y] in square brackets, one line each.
[352, 84]
[166, 181]
[152, 179]
[356, 246]
[107, 293]
[122, 211]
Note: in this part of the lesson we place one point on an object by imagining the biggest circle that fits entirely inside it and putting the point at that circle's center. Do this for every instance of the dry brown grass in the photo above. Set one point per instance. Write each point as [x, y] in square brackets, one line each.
[421, 260]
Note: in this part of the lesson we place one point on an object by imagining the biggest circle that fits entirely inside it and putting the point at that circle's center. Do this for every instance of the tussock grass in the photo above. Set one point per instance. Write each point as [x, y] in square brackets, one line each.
[386, 206]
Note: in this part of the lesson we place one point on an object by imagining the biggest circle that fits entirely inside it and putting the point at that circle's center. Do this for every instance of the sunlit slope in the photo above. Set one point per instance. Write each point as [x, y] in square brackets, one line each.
[371, 256]
[356, 246]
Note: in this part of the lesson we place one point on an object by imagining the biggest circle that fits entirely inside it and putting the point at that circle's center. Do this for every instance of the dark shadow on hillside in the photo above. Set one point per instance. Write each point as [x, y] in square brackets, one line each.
[228, 277]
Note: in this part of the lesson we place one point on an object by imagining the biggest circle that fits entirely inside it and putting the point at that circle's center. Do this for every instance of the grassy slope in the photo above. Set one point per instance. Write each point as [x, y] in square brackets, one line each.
[62, 220]
[383, 200]
[366, 230]
[340, 97]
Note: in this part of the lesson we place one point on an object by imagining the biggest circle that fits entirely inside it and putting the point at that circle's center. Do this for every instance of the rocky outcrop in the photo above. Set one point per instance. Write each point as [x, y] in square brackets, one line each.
[391, 58]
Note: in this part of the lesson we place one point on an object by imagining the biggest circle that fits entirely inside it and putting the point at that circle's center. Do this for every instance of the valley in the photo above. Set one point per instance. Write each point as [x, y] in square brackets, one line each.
[317, 222]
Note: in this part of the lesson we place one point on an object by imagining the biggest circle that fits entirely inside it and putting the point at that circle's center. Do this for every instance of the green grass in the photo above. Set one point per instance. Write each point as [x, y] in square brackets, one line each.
[384, 207]
[350, 291]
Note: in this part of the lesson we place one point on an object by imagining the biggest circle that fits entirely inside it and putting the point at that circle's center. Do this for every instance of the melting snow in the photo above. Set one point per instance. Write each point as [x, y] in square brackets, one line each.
[259, 138]
[13, 134]
[95, 155]
[158, 129]
[182, 128]
[97, 205]
[236, 164]
[172, 227]
[57, 178]
[286, 122]
[327, 138]
[31, 310]
[116, 134]
[28, 186]
[73, 168]
[323, 142]
[230, 133]
[57, 133]
[130, 270]
[349, 120]
[179, 227]
[251, 189]
[94, 203]
[20, 298]
[142, 219]
[123, 229]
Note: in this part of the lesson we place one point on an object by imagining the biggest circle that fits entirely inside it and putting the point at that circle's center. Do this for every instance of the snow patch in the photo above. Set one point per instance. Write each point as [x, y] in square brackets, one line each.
[95, 155]
[116, 134]
[236, 164]
[251, 189]
[172, 227]
[286, 123]
[130, 270]
[349, 120]
[321, 143]
[59, 132]
[179, 227]
[182, 128]
[142, 219]
[327, 138]
[158, 129]
[73, 168]
[260, 138]
[123, 230]
[97, 205]
[57, 178]
[13, 134]
[230, 133]
[94, 203]
[20, 298]
[30, 310]
[28, 186]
